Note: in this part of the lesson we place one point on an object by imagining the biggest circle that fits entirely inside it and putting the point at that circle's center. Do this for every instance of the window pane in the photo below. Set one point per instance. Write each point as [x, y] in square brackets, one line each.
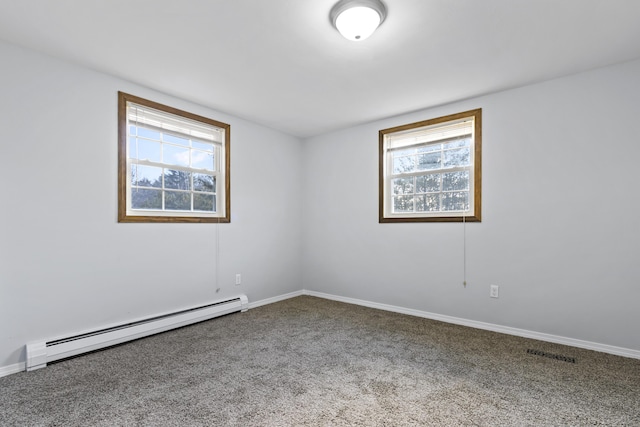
[403, 204]
[458, 201]
[146, 176]
[174, 200]
[132, 130]
[144, 150]
[202, 160]
[174, 155]
[204, 182]
[204, 202]
[403, 164]
[430, 148]
[463, 142]
[429, 161]
[457, 157]
[428, 183]
[178, 180]
[428, 203]
[402, 186]
[146, 199]
[148, 133]
[205, 146]
[175, 140]
[453, 181]
[405, 152]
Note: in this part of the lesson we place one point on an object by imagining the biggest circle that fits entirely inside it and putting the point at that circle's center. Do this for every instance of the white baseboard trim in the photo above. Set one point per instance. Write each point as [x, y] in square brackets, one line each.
[604, 348]
[275, 299]
[12, 369]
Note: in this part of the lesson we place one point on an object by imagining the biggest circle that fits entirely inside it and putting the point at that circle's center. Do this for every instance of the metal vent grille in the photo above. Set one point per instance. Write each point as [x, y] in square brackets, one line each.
[552, 356]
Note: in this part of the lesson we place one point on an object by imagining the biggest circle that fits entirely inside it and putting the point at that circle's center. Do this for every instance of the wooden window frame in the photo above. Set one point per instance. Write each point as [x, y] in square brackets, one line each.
[123, 178]
[474, 216]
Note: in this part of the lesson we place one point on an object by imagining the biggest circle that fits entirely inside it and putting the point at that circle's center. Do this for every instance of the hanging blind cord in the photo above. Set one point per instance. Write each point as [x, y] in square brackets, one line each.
[217, 255]
[464, 249]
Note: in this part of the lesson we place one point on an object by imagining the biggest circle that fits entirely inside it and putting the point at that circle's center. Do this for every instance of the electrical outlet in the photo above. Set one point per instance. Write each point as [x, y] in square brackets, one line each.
[238, 279]
[494, 291]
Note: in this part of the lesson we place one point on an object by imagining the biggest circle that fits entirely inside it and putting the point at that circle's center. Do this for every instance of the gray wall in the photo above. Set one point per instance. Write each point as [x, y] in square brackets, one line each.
[559, 233]
[67, 265]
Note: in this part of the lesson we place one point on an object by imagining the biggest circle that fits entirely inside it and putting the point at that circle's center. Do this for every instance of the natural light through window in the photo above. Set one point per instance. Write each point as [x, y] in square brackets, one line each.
[173, 166]
[431, 171]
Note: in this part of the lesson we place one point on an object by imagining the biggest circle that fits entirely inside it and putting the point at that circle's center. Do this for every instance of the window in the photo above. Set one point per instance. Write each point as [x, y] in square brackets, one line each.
[173, 166]
[431, 171]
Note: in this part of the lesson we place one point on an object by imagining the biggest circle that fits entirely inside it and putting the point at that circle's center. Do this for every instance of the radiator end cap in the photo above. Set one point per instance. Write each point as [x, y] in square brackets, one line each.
[244, 303]
[36, 355]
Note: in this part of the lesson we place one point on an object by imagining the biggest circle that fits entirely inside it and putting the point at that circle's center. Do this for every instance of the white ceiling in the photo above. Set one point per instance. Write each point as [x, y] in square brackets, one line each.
[281, 63]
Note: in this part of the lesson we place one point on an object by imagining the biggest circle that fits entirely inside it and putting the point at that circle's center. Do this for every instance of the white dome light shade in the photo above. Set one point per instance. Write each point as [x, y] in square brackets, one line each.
[357, 19]
[357, 23]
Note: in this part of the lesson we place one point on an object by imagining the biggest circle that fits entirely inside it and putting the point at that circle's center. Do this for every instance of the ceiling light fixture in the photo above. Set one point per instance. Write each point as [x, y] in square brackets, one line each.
[357, 19]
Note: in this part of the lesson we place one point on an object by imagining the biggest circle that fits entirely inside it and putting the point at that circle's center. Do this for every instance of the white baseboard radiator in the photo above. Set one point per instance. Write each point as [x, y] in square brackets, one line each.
[41, 353]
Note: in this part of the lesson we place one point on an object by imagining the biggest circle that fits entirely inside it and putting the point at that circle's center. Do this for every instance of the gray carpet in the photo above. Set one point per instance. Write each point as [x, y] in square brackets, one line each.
[313, 362]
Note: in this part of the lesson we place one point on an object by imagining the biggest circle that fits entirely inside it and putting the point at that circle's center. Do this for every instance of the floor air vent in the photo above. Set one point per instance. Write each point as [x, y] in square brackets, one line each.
[40, 353]
[552, 356]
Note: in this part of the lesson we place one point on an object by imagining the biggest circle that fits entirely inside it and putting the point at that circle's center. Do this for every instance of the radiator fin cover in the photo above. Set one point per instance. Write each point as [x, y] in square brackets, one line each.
[42, 352]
